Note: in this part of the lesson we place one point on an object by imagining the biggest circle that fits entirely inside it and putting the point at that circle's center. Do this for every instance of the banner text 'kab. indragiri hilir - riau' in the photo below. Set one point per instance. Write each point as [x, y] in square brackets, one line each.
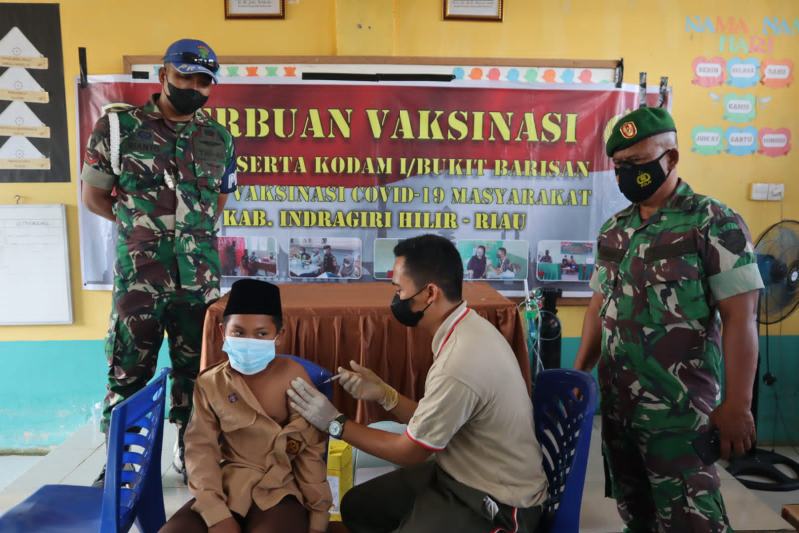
[362, 162]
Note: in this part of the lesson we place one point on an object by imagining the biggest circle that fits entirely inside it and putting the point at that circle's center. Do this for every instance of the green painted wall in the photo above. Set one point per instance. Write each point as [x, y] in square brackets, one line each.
[778, 416]
[49, 388]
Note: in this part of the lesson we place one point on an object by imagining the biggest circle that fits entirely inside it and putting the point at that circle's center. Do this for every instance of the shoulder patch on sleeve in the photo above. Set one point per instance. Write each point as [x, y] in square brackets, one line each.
[116, 107]
[733, 240]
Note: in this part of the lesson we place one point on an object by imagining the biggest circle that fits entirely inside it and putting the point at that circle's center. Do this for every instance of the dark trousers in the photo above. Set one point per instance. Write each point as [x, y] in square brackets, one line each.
[288, 516]
[425, 499]
[138, 320]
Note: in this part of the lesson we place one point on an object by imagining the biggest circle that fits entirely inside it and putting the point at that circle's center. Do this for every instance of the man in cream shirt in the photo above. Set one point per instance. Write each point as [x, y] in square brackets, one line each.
[475, 416]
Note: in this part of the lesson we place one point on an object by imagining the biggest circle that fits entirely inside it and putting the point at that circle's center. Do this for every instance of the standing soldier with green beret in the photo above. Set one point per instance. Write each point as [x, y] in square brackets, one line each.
[161, 172]
[671, 268]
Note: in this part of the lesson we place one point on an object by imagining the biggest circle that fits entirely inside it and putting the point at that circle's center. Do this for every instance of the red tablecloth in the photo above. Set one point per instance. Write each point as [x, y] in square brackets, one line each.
[332, 324]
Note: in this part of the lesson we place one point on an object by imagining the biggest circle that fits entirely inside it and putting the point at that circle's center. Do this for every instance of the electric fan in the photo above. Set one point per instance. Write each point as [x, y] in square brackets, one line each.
[777, 253]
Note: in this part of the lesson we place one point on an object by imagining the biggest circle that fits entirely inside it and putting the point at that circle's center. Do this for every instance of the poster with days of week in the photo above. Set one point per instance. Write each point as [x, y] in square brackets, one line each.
[33, 130]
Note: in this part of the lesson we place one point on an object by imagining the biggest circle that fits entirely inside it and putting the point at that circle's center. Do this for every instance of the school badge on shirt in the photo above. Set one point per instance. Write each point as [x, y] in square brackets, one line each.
[293, 446]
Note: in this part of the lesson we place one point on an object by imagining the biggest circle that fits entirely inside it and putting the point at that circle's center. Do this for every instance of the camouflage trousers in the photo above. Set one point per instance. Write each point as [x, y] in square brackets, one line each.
[659, 483]
[139, 319]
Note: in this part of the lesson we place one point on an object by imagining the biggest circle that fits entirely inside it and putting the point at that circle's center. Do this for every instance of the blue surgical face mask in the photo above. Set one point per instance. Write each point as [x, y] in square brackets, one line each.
[249, 356]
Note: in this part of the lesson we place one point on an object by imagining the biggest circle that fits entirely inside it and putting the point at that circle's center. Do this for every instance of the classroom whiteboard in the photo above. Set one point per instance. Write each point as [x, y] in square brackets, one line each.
[34, 265]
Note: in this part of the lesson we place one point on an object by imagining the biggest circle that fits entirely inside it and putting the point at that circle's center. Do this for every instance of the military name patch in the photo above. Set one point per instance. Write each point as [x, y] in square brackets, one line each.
[611, 254]
[674, 250]
[628, 130]
[142, 141]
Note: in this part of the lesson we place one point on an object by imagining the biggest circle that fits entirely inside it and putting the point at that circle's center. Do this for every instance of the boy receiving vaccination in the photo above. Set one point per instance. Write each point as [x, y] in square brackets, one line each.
[253, 465]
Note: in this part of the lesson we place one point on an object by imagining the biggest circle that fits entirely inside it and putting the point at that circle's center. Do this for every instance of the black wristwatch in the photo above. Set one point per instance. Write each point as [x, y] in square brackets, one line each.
[336, 427]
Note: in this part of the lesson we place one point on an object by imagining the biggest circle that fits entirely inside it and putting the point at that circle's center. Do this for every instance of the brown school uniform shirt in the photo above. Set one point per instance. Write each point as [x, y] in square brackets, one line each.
[237, 456]
[476, 414]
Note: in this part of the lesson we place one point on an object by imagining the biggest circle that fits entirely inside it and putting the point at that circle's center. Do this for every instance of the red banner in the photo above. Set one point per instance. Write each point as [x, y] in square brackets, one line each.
[332, 175]
[349, 134]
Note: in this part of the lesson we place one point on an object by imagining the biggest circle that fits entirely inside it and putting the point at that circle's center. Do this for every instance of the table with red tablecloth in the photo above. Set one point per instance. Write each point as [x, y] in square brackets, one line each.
[333, 323]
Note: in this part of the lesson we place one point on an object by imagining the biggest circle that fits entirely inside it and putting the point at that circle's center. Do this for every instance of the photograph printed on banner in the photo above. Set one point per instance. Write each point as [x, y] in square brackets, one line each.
[325, 258]
[565, 261]
[384, 257]
[497, 260]
[248, 256]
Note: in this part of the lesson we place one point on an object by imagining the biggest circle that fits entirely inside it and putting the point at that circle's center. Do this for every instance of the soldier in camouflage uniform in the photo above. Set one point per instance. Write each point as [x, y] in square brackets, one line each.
[670, 268]
[173, 170]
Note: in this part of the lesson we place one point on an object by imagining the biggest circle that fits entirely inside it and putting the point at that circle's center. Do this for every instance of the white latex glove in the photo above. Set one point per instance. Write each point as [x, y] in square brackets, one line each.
[311, 404]
[363, 384]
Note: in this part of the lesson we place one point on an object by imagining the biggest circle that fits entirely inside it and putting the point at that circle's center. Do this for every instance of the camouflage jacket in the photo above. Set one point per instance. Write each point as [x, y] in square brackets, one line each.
[661, 281]
[166, 196]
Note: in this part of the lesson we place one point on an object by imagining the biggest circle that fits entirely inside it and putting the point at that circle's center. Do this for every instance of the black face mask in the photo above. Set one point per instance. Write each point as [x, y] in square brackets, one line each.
[185, 101]
[639, 182]
[402, 311]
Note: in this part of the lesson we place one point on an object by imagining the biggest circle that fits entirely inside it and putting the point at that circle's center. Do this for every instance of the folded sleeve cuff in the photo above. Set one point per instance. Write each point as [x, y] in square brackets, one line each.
[739, 280]
[97, 178]
[318, 520]
[212, 513]
[424, 444]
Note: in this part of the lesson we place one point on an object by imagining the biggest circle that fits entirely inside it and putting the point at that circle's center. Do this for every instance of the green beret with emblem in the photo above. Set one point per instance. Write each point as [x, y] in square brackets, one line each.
[637, 126]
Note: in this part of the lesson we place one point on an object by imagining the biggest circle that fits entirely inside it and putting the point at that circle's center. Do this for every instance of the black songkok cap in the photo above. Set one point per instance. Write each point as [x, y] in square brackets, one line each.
[254, 297]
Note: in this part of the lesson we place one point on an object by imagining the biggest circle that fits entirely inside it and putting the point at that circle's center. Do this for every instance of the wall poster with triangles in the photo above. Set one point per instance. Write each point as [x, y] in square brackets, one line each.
[33, 117]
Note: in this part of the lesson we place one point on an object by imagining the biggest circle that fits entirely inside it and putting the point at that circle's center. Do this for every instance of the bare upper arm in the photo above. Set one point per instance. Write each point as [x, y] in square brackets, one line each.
[741, 307]
[413, 452]
[91, 194]
[290, 370]
[595, 303]
[220, 203]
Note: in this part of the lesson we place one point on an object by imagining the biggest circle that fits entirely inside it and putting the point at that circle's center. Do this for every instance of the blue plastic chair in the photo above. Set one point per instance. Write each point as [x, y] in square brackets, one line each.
[563, 424]
[132, 491]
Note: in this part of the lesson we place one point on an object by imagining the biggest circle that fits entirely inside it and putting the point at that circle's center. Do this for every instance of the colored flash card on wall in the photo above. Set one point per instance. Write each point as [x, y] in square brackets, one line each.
[739, 107]
[18, 153]
[18, 119]
[777, 74]
[708, 72]
[743, 73]
[16, 83]
[741, 141]
[775, 142]
[707, 141]
[17, 51]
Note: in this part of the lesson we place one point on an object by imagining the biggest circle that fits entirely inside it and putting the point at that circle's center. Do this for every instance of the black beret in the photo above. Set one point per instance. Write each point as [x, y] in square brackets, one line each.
[254, 297]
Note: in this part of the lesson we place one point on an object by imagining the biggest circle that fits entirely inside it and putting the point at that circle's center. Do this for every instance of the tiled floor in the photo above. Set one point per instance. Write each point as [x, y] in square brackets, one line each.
[14, 466]
[79, 460]
[776, 500]
[748, 510]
